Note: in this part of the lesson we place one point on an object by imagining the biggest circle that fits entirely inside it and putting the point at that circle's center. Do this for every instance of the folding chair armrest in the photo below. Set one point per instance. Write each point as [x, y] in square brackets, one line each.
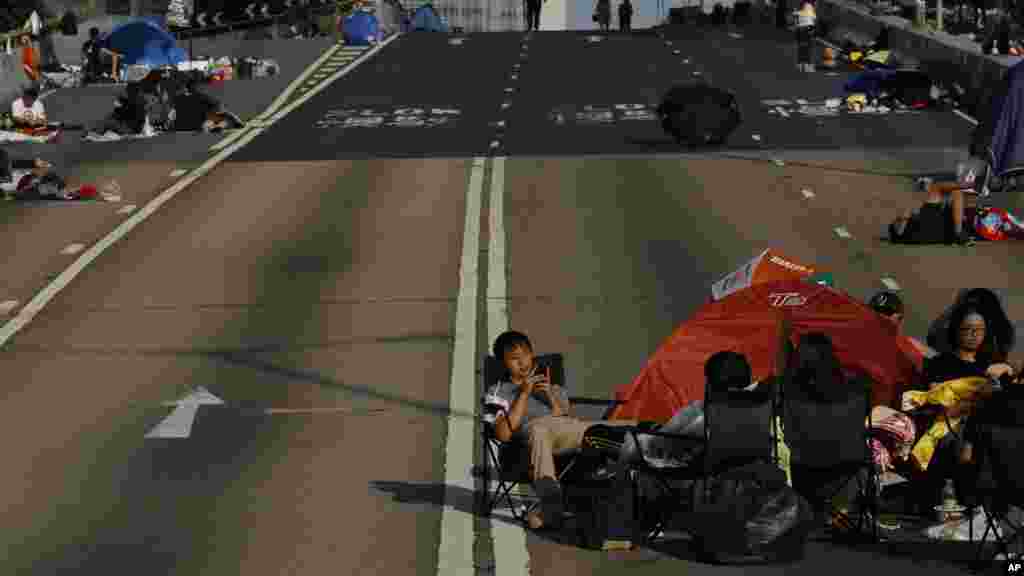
[585, 401]
[637, 431]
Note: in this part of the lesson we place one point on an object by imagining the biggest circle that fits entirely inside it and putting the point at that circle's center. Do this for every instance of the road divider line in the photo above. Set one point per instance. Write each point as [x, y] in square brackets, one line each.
[455, 550]
[178, 173]
[511, 557]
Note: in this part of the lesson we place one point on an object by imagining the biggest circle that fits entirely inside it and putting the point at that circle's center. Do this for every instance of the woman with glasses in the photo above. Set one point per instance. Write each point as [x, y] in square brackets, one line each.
[972, 352]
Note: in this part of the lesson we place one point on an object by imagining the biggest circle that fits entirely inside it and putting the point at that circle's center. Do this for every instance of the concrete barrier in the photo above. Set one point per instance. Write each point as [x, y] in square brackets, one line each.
[946, 58]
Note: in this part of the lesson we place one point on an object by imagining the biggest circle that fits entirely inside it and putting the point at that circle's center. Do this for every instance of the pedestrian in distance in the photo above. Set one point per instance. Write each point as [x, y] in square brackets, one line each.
[533, 14]
[603, 14]
[806, 18]
[626, 16]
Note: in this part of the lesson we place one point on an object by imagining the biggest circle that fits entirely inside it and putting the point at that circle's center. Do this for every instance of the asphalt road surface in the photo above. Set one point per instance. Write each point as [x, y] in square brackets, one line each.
[317, 273]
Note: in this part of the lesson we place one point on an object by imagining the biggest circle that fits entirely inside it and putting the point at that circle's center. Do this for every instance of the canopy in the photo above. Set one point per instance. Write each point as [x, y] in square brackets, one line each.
[143, 42]
[756, 322]
[360, 28]
[768, 266]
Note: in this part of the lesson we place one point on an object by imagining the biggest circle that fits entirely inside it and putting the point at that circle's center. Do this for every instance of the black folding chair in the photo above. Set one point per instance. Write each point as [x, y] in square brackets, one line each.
[506, 464]
[829, 447]
[737, 432]
[1004, 488]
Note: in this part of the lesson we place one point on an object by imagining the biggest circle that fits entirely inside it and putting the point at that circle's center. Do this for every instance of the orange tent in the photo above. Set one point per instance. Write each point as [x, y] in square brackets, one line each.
[769, 266]
[755, 322]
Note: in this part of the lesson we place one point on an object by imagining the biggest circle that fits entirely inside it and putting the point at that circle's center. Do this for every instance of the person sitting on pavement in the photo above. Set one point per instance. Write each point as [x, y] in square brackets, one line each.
[537, 412]
[28, 112]
[723, 371]
[940, 220]
[889, 305]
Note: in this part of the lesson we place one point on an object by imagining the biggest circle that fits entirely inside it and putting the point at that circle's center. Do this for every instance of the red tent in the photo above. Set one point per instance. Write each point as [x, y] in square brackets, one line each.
[754, 322]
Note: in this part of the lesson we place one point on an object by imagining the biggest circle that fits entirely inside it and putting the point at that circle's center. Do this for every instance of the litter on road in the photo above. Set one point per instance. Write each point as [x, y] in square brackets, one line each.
[807, 193]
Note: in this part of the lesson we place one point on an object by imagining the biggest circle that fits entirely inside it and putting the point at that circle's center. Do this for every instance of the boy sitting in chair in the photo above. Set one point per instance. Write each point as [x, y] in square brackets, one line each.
[536, 412]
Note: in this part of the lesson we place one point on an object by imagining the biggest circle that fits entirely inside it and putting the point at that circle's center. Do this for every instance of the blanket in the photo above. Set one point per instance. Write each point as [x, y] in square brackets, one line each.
[947, 395]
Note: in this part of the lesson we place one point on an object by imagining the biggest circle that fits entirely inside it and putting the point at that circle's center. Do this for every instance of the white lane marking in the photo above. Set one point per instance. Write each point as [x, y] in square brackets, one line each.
[126, 209]
[179, 423]
[72, 249]
[178, 173]
[455, 552]
[965, 117]
[40, 300]
[807, 193]
[842, 232]
[7, 306]
[281, 98]
[511, 557]
[891, 284]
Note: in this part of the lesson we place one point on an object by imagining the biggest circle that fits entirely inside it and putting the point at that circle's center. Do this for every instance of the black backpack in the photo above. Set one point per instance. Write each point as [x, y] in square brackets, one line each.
[751, 517]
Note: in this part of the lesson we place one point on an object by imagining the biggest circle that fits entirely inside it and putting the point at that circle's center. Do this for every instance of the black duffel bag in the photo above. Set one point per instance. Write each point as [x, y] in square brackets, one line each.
[752, 517]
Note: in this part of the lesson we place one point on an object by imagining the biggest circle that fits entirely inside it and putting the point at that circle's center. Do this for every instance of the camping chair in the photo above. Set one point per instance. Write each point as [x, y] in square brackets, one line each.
[737, 432]
[829, 447]
[1005, 488]
[506, 464]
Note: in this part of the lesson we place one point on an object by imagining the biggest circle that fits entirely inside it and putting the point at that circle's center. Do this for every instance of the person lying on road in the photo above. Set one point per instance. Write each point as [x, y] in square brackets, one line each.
[537, 412]
[940, 220]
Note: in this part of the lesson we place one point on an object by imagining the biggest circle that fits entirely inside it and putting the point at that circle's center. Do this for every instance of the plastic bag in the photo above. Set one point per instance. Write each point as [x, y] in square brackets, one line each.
[998, 224]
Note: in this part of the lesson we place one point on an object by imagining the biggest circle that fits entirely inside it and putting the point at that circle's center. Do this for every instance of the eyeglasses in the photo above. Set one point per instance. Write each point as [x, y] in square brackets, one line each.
[972, 331]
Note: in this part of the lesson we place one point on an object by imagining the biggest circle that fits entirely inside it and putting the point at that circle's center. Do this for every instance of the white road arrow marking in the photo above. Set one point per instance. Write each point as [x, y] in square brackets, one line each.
[179, 423]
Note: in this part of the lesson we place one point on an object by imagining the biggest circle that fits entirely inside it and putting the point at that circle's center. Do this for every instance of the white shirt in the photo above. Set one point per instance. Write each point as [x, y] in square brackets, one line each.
[20, 112]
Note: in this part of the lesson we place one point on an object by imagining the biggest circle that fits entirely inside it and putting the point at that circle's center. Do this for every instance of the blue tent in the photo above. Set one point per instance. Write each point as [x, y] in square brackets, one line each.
[360, 28]
[1005, 126]
[143, 42]
[426, 18]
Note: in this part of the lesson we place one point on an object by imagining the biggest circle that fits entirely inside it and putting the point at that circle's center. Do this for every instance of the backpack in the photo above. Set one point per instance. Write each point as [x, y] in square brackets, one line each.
[752, 516]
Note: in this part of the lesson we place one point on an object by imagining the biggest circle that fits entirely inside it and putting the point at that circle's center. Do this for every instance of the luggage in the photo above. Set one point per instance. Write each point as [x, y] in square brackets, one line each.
[752, 517]
[699, 114]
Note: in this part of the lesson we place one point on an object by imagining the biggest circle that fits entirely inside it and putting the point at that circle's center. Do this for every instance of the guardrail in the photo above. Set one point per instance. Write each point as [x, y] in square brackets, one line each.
[258, 18]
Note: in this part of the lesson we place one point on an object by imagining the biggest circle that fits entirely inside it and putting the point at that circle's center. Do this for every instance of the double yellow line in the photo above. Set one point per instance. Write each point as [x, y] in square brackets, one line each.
[262, 119]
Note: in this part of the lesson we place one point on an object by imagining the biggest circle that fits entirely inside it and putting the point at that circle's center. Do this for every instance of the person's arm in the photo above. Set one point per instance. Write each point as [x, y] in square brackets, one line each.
[508, 423]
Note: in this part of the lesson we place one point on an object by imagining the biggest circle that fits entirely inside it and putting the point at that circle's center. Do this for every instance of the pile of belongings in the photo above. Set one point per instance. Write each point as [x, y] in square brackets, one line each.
[164, 100]
[65, 77]
[890, 89]
[221, 69]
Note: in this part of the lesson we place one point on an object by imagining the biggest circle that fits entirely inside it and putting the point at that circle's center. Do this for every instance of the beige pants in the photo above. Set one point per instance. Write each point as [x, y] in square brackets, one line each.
[550, 435]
